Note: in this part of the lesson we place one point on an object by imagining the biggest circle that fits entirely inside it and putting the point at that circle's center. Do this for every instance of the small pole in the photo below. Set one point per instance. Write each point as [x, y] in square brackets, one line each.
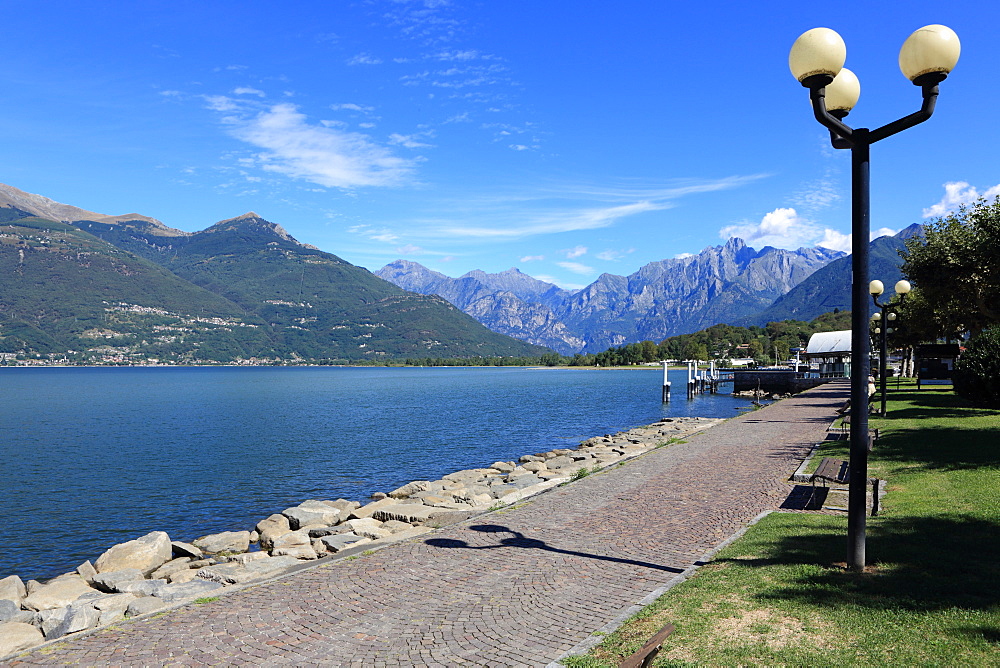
[666, 384]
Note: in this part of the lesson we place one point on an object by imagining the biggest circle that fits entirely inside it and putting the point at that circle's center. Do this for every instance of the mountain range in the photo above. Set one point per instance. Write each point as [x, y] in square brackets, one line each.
[723, 284]
[128, 287]
[99, 288]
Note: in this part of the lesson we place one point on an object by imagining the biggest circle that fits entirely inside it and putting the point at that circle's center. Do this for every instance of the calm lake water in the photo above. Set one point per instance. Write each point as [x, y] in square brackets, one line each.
[90, 457]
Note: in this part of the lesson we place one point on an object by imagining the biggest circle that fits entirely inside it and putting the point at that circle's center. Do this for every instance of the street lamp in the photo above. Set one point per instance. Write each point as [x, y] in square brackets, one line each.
[875, 288]
[817, 62]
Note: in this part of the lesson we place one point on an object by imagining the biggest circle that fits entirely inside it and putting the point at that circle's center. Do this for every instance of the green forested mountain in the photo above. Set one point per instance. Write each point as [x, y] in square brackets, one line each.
[829, 288]
[128, 288]
[68, 292]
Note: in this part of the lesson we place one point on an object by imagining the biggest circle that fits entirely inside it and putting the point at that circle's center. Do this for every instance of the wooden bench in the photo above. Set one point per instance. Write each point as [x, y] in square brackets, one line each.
[644, 657]
[838, 471]
[831, 470]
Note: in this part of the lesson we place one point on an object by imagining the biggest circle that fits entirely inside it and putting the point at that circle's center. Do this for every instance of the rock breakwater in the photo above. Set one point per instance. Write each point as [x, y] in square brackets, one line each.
[153, 572]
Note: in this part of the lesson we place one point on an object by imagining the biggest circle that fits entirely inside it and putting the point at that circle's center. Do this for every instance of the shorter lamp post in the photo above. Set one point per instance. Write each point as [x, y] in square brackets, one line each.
[883, 318]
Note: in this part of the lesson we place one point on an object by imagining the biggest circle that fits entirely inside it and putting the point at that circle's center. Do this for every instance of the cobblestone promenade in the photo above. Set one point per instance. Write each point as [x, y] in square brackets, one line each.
[517, 587]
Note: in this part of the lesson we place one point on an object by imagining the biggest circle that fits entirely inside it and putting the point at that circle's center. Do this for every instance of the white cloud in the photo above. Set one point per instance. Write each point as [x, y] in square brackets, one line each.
[407, 141]
[781, 228]
[835, 241]
[410, 249]
[364, 59]
[326, 156]
[683, 256]
[957, 193]
[532, 258]
[249, 91]
[576, 268]
[575, 252]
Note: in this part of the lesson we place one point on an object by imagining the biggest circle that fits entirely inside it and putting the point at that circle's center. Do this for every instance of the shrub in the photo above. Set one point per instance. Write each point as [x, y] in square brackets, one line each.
[976, 376]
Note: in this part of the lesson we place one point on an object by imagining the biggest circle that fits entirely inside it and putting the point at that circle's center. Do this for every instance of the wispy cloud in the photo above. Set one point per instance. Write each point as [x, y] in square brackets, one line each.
[576, 268]
[326, 156]
[407, 141]
[364, 59]
[565, 221]
[957, 193]
[578, 251]
[557, 209]
[249, 91]
[818, 195]
[532, 258]
[613, 255]
[350, 106]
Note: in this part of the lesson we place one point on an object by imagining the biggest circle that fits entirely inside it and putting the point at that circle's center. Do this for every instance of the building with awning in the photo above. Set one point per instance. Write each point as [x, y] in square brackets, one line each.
[832, 351]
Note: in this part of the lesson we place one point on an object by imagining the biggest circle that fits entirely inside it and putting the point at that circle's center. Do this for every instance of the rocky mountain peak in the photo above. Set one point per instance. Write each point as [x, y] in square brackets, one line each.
[253, 221]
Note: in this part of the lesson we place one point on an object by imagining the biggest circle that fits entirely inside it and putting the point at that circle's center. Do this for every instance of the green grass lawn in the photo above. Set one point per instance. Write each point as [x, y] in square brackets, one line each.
[780, 595]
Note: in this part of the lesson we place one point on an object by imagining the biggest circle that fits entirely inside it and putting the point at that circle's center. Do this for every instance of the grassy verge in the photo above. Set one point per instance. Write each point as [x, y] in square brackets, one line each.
[781, 596]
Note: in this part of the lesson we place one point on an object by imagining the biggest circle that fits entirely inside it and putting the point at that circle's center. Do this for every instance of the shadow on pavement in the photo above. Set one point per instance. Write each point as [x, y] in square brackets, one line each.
[518, 539]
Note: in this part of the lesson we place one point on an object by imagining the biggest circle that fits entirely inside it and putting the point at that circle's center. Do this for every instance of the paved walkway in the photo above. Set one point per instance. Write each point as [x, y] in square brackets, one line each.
[518, 587]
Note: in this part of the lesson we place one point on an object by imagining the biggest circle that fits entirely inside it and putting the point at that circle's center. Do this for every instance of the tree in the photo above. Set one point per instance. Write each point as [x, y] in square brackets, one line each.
[956, 264]
[977, 372]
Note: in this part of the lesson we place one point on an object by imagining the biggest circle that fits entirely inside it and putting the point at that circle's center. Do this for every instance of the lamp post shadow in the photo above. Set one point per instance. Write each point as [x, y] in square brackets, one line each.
[518, 539]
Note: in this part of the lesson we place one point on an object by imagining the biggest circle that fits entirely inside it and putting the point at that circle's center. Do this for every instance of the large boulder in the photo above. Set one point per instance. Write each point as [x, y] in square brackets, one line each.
[143, 587]
[8, 610]
[147, 554]
[181, 549]
[111, 581]
[559, 462]
[171, 567]
[57, 593]
[344, 506]
[18, 636]
[409, 489]
[172, 593]
[111, 607]
[71, 619]
[235, 573]
[270, 528]
[311, 513]
[227, 541]
[144, 605]
[294, 544]
[369, 509]
[342, 541]
[12, 589]
[369, 528]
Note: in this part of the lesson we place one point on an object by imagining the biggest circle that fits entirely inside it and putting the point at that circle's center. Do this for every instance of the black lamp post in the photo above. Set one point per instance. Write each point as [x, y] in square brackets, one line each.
[884, 317]
[817, 61]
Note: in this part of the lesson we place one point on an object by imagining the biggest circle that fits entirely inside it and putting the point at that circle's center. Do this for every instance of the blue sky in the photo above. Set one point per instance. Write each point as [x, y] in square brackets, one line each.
[565, 138]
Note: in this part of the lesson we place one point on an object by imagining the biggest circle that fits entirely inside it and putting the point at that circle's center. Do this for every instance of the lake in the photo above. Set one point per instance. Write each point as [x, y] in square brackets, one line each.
[90, 457]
